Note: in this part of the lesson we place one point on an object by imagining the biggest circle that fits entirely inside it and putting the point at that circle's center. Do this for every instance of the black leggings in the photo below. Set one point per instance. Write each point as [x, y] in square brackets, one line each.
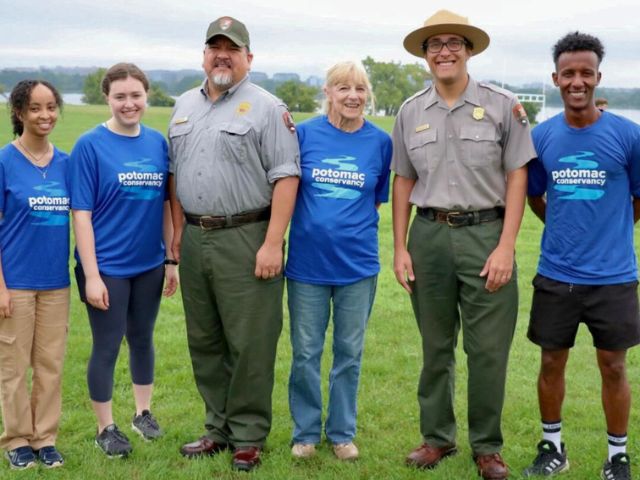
[133, 308]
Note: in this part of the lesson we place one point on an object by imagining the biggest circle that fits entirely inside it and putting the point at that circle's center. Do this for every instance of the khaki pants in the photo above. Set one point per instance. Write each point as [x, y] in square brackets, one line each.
[34, 336]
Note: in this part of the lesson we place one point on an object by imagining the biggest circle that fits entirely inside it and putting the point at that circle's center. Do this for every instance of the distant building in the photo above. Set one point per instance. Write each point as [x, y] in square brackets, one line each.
[285, 77]
[315, 81]
[258, 77]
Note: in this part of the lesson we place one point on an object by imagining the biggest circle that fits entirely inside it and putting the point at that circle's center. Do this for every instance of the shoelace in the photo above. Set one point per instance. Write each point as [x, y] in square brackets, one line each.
[149, 420]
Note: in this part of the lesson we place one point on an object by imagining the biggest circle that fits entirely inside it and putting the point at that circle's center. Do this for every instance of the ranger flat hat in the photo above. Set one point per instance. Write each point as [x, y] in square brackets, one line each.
[444, 21]
[231, 28]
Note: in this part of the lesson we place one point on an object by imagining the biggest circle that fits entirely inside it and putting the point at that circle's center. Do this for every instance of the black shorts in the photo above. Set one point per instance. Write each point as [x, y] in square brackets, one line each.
[609, 311]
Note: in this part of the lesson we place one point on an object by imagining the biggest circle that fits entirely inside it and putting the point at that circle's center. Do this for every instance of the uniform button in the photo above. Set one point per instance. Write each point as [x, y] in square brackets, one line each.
[199, 174]
[450, 136]
[477, 136]
[199, 197]
[453, 184]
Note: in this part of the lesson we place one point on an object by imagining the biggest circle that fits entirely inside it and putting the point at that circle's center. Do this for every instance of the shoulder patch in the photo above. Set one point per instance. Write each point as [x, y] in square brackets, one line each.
[520, 113]
[288, 122]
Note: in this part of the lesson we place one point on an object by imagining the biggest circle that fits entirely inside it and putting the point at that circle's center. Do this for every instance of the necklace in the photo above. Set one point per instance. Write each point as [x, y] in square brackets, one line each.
[41, 170]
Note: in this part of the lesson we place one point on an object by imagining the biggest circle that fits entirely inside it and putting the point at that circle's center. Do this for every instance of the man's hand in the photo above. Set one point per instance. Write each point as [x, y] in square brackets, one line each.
[176, 243]
[498, 268]
[268, 261]
[403, 268]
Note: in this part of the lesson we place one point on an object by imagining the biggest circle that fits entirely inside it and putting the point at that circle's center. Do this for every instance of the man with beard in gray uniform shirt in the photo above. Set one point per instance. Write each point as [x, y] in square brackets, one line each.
[234, 176]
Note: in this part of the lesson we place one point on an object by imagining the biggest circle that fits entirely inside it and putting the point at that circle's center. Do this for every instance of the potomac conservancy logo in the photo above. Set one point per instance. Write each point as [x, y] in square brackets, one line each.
[339, 182]
[582, 180]
[143, 183]
[49, 205]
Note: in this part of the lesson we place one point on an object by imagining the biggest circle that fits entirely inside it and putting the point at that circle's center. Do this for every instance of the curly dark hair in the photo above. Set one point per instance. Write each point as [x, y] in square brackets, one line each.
[576, 42]
[21, 96]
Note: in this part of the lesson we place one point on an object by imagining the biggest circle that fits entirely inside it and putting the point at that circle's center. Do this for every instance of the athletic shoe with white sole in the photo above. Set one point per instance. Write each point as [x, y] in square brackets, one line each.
[549, 461]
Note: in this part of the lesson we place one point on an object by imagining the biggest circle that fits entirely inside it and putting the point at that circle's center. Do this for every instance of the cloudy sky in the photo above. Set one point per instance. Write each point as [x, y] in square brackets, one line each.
[307, 36]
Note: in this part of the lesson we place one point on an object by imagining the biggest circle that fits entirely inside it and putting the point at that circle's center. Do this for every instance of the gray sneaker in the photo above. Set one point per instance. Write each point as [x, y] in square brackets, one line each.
[113, 442]
[146, 426]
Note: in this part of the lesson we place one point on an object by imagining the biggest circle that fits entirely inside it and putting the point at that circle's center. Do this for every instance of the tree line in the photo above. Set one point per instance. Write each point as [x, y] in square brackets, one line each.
[392, 82]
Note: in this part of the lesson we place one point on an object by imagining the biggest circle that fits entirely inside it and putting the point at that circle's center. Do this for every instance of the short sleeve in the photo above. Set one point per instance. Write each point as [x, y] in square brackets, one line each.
[382, 188]
[400, 162]
[83, 176]
[517, 148]
[537, 178]
[634, 164]
[2, 189]
[280, 153]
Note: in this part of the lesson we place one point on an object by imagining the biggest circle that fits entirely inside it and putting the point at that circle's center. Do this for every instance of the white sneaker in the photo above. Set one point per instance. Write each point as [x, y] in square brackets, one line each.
[303, 450]
[346, 451]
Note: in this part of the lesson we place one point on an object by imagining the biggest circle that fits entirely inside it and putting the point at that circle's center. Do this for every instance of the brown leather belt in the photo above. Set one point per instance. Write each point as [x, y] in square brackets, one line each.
[209, 222]
[456, 219]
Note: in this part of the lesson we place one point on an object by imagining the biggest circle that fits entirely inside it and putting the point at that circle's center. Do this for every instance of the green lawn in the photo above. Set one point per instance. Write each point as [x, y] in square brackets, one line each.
[388, 419]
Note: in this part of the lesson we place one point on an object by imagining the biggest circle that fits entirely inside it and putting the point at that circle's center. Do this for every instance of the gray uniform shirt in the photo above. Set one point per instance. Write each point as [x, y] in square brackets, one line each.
[226, 155]
[459, 156]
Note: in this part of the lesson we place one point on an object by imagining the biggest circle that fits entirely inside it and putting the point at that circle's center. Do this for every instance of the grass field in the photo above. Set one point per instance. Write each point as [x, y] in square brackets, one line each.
[388, 414]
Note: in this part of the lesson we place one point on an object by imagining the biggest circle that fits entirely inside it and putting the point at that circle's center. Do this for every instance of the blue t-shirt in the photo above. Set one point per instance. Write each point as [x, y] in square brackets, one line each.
[589, 175]
[333, 238]
[122, 181]
[34, 231]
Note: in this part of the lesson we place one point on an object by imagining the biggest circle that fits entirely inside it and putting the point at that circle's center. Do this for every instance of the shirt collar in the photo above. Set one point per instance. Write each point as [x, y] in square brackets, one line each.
[470, 95]
[225, 94]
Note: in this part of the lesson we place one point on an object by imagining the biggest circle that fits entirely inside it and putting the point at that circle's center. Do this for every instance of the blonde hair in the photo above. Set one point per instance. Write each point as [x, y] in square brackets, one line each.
[345, 72]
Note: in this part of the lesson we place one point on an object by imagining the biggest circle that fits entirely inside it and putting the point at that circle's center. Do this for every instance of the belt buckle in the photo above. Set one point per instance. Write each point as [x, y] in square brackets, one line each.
[451, 215]
[205, 218]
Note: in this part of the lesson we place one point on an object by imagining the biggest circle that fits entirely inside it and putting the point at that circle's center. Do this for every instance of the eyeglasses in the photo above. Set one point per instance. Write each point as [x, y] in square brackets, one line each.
[453, 45]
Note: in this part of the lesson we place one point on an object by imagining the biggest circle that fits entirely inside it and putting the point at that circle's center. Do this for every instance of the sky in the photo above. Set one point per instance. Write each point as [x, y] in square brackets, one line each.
[307, 37]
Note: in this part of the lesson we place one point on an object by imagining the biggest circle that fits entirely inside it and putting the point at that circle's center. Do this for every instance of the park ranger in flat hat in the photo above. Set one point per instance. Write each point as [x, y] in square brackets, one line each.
[460, 150]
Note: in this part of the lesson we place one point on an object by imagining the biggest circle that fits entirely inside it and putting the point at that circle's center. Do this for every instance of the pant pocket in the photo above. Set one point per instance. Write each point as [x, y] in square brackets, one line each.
[7, 355]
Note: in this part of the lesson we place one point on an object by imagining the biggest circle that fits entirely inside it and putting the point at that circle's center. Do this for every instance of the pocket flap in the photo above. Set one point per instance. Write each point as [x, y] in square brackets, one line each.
[478, 133]
[180, 129]
[419, 139]
[8, 340]
[235, 128]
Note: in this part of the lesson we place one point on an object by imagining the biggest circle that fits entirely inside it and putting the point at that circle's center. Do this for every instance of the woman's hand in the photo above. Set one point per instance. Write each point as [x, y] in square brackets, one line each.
[97, 293]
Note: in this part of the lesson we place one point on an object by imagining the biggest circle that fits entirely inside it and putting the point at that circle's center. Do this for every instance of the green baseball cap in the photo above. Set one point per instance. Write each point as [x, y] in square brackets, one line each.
[231, 28]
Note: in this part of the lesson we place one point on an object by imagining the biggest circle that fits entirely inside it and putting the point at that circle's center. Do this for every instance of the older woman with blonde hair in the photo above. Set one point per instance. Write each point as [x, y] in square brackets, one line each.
[333, 257]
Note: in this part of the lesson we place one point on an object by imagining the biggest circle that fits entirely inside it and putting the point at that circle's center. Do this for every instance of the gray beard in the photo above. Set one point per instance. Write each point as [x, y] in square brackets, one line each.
[221, 81]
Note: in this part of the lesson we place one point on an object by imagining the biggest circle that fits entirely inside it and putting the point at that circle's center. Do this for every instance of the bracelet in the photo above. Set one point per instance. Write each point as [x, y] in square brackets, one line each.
[170, 261]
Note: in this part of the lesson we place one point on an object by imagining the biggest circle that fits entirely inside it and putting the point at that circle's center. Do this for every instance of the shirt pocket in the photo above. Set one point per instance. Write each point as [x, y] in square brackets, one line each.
[178, 137]
[423, 150]
[234, 138]
[480, 146]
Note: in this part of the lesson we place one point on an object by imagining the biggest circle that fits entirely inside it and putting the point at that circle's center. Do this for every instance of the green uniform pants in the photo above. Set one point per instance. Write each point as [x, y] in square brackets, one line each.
[448, 294]
[234, 321]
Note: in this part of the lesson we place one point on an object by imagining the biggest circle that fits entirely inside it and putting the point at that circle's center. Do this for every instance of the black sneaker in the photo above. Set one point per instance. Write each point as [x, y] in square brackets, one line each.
[146, 425]
[21, 458]
[50, 457]
[549, 461]
[113, 442]
[619, 468]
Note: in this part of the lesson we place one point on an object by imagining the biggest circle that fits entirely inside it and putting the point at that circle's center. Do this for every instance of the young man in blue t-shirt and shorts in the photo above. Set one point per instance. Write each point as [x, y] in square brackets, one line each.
[588, 166]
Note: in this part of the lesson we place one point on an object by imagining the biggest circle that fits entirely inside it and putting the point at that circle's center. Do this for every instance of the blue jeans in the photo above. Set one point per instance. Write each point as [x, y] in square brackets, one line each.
[309, 311]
